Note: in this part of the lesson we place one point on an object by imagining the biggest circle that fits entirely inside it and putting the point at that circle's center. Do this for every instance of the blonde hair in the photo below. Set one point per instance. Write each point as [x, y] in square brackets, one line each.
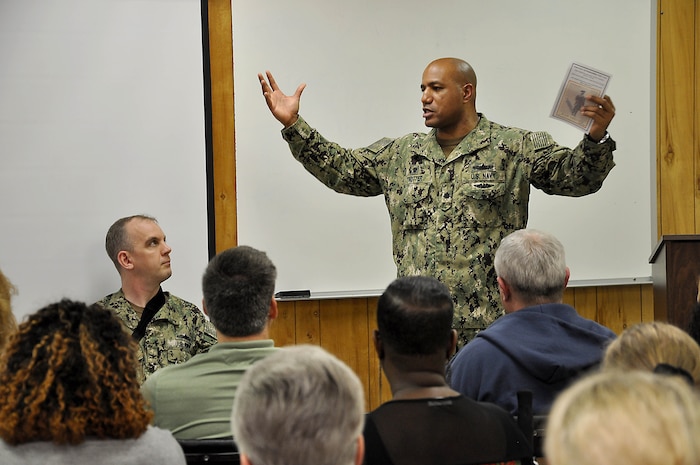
[8, 323]
[644, 346]
[625, 417]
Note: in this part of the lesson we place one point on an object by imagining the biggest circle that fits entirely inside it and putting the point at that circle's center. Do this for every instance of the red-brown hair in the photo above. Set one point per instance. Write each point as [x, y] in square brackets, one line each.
[67, 373]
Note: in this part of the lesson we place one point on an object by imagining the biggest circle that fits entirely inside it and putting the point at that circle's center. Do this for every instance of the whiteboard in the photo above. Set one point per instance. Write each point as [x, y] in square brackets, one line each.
[101, 116]
[362, 62]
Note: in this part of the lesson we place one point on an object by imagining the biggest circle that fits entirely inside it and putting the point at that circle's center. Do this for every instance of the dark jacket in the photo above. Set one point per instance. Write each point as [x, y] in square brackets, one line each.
[541, 349]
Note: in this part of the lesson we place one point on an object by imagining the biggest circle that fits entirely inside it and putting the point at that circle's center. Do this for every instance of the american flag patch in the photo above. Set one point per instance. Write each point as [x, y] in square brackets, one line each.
[541, 140]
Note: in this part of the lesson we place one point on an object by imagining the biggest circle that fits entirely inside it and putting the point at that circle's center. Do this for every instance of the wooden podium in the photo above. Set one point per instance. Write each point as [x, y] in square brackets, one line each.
[675, 269]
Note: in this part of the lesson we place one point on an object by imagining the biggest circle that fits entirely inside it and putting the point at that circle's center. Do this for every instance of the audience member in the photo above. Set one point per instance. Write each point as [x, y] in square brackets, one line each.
[655, 346]
[300, 405]
[631, 417]
[193, 399]
[69, 394]
[8, 323]
[541, 344]
[427, 421]
[168, 329]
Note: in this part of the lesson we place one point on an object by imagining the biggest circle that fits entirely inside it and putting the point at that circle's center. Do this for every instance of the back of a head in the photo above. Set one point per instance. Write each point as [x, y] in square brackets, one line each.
[625, 417]
[70, 373]
[533, 263]
[652, 345]
[238, 286]
[299, 405]
[414, 315]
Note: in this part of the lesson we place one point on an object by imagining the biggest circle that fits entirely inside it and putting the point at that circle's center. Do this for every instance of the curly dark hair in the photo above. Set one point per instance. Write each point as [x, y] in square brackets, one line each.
[67, 373]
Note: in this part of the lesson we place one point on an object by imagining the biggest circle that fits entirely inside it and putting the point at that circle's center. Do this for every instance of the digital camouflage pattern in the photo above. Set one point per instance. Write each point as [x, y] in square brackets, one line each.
[177, 332]
[449, 214]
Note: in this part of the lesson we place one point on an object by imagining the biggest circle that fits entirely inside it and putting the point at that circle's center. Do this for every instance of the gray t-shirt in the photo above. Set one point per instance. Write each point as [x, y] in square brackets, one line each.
[154, 447]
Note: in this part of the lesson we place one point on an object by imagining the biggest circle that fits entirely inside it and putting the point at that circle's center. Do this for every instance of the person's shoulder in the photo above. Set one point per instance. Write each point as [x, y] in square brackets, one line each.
[588, 324]
[489, 408]
[161, 446]
[112, 299]
[156, 434]
[178, 309]
[512, 134]
[486, 124]
[385, 144]
[178, 302]
[473, 352]
[601, 329]
[173, 377]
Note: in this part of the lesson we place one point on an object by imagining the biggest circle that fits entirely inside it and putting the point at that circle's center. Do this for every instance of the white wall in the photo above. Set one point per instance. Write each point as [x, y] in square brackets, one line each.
[362, 62]
[101, 116]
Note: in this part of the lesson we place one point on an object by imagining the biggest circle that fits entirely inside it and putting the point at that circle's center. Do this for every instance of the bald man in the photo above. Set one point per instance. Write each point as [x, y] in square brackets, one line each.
[453, 193]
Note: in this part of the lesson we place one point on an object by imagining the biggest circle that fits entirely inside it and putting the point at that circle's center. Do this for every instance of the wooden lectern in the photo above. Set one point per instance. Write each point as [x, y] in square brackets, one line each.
[675, 270]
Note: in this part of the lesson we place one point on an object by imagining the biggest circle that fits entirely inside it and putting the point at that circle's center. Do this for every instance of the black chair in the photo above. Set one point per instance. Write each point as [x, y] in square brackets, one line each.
[205, 451]
[539, 422]
[525, 421]
[531, 425]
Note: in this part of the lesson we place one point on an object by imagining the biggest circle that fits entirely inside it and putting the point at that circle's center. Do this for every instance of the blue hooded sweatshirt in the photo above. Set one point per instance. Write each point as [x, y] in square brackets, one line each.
[541, 349]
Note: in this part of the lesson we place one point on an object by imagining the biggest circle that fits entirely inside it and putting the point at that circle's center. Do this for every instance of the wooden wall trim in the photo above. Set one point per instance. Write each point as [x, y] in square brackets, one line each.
[676, 113]
[223, 125]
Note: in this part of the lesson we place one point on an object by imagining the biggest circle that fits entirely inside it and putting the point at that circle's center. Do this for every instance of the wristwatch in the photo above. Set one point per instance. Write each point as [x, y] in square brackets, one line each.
[602, 140]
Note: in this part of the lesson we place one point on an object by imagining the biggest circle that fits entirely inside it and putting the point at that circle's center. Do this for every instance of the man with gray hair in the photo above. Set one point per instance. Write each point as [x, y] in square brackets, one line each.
[541, 344]
[193, 400]
[299, 405]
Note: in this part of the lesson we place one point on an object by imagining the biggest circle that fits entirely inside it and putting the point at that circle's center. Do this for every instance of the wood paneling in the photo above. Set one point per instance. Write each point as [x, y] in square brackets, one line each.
[345, 326]
[677, 192]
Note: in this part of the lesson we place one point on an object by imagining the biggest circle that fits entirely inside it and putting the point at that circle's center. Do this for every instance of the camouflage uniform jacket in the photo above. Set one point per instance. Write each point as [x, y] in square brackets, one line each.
[177, 332]
[449, 214]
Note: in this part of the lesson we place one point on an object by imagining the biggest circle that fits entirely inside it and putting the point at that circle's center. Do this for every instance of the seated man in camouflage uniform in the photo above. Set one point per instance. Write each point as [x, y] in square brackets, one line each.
[169, 330]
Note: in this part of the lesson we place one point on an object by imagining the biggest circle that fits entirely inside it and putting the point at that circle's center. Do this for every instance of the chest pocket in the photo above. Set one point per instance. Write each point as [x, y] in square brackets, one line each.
[416, 211]
[482, 193]
[415, 199]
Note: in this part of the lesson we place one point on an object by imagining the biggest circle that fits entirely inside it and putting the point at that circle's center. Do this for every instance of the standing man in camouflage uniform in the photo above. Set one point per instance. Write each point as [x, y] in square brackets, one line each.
[455, 192]
[169, 330]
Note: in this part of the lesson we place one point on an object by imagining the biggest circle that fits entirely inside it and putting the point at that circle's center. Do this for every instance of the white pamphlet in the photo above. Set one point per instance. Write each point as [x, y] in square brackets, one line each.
[580, 82]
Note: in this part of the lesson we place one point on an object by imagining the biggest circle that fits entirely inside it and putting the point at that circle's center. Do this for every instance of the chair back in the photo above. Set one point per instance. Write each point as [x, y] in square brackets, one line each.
[531, 425]
[206, 451]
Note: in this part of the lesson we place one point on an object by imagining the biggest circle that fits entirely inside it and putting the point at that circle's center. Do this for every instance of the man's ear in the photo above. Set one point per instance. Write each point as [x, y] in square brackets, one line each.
[274, 311]
[468, 91]
[124, 260]
[568, 275]
[378, 345]
[204, 308]
[452, 348]
[360, 452]
[503, 289]
[244, 459]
